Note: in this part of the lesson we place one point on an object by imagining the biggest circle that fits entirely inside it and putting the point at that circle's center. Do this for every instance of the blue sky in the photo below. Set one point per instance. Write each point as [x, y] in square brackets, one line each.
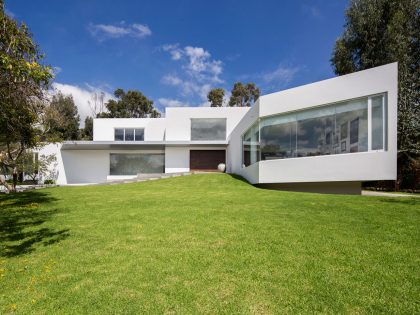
[175, 51]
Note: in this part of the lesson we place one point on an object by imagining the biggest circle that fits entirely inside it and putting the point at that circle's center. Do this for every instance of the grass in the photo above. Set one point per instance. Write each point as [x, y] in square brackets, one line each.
[206, 244]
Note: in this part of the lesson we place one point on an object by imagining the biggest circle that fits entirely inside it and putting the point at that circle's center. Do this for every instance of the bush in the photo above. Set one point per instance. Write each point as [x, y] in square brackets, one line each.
[48, 182]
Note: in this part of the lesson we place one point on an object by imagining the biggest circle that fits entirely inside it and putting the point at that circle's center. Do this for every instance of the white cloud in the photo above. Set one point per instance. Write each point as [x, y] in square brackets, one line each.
[171, 79]
[281, 74]
[174, 50]
[106, 31]
[197, 75]
[167, 102]
[197, 62]
[188, 87]
[81, 96]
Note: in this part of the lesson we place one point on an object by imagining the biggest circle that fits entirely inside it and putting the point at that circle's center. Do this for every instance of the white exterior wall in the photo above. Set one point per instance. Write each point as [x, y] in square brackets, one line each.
[90, 166]
[234, 152]
[178, 120]
[362, 166]
[55, 169]
[177, 159]
[154, 128]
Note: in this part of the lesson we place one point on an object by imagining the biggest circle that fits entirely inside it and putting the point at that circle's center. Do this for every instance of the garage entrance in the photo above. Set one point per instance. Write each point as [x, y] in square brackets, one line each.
[206, 160]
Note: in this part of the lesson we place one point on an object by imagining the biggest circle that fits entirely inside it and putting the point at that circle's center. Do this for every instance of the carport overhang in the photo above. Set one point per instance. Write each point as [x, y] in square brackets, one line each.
[137, 145]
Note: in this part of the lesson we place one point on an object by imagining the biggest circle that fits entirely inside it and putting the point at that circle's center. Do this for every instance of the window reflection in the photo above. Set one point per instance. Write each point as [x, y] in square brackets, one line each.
[208, 129]
[352, 126]
[278, 137]
[133, 164]
[332, 129]
[314, 132]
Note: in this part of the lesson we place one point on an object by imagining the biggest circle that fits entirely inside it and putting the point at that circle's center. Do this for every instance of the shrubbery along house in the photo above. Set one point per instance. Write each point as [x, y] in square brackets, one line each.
[327, 136]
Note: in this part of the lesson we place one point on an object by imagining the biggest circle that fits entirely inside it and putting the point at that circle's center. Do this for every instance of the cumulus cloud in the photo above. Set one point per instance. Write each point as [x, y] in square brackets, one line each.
[107, 31]
[198, 72]
[82, 95]
[197, 62]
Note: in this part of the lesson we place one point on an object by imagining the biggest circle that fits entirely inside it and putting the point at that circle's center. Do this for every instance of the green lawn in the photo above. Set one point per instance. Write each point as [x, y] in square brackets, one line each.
[207, 244]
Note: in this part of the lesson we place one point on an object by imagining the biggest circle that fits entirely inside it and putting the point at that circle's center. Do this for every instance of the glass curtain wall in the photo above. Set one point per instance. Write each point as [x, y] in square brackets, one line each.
[278, 137]
[251, 146]
[136, 163]
[331, 129]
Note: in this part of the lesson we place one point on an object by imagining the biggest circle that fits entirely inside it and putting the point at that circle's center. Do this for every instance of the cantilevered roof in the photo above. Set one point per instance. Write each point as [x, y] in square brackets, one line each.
[136, 145]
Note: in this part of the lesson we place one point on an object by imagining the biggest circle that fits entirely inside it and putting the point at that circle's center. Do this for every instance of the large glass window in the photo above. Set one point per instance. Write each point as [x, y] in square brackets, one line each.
[331, 129]
[136, 163]
[377, 123]
[278, 137]
[352, 126]
[251, 146]
[128, 134]
[315, 131]
[208, 129]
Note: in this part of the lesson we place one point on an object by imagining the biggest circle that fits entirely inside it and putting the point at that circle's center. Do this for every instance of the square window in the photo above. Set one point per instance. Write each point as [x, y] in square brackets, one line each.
[139, 134]
[119, 134]
[129, 134]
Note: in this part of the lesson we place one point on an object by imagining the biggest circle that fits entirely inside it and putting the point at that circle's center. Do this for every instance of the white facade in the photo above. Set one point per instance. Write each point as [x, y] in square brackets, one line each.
[346, 155]
[361, 166]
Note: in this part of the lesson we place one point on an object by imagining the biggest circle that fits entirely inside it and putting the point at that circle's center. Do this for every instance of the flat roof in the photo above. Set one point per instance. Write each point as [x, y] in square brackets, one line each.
[136, 145]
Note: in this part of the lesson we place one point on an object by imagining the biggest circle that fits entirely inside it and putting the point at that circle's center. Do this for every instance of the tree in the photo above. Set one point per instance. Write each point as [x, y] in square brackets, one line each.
[23, 85]
[381, 32]
[130, 104]
[215, 97]
[96, 102]
[87, 132]
[244, 95]
[62, 117]
[33, 165]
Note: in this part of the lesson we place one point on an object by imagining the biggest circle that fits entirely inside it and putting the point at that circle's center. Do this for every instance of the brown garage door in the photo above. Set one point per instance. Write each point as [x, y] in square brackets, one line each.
[206, 159]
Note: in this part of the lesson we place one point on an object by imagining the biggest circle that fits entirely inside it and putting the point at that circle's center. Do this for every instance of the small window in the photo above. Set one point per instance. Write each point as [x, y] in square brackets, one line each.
[129, 135]
[208, 129]
[139, 134]
[119, 135]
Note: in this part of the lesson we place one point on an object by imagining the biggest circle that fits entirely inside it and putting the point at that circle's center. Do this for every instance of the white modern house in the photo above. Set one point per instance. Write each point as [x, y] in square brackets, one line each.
[327, 136]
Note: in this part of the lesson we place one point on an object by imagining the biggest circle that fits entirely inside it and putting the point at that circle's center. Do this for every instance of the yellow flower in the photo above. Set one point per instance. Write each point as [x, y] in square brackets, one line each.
[12, 307]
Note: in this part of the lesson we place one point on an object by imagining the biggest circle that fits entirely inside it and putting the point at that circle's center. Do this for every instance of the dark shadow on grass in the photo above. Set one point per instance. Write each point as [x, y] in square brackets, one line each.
[240, 178]
[22, 223]
[411, 201]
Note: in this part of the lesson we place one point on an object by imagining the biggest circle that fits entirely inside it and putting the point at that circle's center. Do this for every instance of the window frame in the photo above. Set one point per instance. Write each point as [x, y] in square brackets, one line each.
[134, 133]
